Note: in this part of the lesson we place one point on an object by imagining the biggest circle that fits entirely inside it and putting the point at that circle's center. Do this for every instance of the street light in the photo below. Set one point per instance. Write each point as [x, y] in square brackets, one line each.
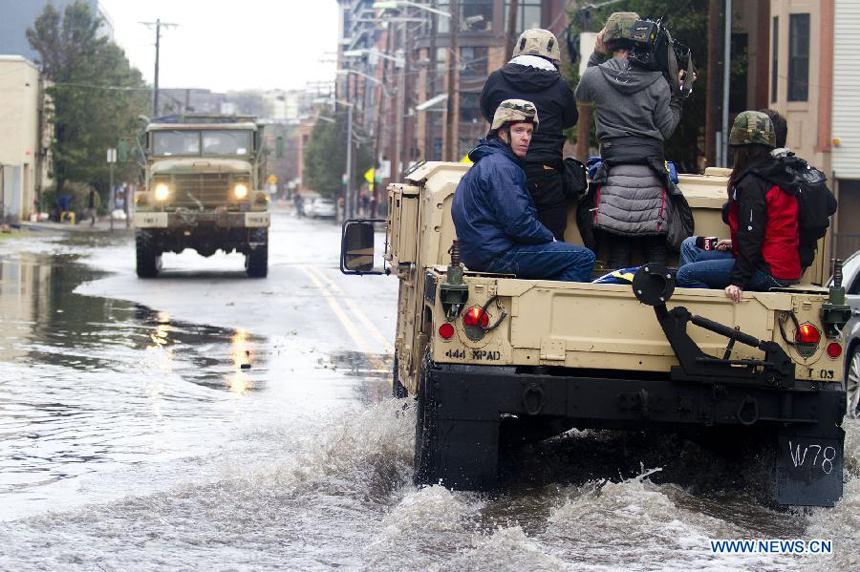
[365, 76]
[395, 4]
[373, 53]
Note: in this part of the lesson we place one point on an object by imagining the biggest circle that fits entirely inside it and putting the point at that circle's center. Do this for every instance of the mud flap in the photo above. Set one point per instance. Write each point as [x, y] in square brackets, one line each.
[809, 466]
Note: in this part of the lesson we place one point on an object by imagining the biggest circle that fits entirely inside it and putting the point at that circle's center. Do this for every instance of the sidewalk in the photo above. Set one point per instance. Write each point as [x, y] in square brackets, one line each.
[101, 225]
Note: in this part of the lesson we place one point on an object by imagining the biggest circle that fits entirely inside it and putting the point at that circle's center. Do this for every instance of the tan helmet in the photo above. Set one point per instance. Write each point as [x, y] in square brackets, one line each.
[619, 26]
[752, 127]
[515, 111]
[538, 42]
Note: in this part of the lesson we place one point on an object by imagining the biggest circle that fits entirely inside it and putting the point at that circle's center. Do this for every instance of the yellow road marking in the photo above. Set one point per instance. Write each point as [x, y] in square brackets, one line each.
[374, 331]
[348, 324]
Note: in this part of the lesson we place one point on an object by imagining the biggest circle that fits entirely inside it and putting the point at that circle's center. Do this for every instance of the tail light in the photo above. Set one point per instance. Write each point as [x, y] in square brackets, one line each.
[807, 334]
[834, 350]
[476, 317]
[446, 330]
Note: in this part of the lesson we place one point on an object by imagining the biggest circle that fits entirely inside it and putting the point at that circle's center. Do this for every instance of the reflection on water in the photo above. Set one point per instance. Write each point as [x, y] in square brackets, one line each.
[88, 382]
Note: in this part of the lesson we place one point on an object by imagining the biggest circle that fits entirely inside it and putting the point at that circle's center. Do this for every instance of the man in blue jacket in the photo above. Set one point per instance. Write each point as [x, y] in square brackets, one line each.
[495, 215]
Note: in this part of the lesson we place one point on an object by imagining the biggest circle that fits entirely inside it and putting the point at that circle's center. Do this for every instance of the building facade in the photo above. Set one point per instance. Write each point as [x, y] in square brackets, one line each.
[23, 146]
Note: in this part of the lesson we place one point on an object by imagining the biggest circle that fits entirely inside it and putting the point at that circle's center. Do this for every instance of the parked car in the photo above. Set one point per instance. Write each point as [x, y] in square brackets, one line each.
[851, 281]
[322, 208]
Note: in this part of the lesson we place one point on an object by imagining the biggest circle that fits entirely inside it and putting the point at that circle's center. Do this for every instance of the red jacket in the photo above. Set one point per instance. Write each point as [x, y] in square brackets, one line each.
[764, 225]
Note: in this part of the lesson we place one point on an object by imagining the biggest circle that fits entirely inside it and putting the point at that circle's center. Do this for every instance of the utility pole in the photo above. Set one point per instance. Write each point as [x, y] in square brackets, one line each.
[451, 150]
[712, 106]
[347, 203]
[510, 37]
[158, 24]
[429, 123]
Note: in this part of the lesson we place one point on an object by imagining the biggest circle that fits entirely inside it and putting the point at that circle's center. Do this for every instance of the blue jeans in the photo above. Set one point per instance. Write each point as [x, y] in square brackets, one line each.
[548, 261]
[691, 253]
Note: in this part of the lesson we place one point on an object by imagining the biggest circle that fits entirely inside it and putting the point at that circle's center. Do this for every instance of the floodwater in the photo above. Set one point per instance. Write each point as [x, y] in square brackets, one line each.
[132, 439]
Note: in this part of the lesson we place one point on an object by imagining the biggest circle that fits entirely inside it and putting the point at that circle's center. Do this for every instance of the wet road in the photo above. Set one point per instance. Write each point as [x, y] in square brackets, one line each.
[207, 421]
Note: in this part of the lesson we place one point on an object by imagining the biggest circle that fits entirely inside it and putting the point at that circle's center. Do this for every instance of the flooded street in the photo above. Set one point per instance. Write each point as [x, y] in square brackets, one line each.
[204, 420]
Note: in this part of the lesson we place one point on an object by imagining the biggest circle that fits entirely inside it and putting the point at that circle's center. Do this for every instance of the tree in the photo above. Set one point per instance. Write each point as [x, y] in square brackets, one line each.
[94, 94]
[325, 157]
[687, 22]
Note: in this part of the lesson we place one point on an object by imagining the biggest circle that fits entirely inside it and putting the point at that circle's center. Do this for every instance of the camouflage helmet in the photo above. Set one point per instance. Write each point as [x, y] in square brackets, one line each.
[752, 127]
[515, 111]
[538, 42]
[619, 26]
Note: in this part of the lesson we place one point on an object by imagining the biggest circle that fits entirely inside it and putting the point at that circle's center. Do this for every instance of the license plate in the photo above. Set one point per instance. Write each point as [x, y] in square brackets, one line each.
[257, 219]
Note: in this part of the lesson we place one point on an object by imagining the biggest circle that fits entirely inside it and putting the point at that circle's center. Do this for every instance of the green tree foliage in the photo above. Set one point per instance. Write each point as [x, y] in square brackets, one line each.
[95, 95]
[325, 157]
[687, 21]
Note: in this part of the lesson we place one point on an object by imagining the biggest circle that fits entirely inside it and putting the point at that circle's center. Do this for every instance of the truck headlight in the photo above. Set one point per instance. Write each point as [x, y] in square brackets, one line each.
[162, 191]
[240, 191]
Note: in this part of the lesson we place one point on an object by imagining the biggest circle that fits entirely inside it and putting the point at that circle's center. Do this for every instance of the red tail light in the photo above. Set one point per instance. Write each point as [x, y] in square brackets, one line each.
[807, 334]
[446, 330]
[475, 316]
[834, 350]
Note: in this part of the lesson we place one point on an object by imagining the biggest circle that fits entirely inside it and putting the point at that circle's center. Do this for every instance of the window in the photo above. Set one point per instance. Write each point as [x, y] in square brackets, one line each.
[168, 143]
[226, 142]
[470, 107]
[476, 15]
[473, 62]
[798, 57]
[529, 14]
[774, 63]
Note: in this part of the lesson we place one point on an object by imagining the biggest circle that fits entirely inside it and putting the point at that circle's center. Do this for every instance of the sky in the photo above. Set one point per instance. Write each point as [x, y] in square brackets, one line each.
[230, 44]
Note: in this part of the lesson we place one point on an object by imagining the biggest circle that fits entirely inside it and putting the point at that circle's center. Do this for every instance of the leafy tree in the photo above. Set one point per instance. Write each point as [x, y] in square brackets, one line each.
[325, 157]
[687, 21]
[94, 94]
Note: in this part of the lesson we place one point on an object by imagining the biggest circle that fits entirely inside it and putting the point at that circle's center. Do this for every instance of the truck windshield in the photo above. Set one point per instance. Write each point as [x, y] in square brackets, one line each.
[226, 142]
[221, 142]
[167, 143]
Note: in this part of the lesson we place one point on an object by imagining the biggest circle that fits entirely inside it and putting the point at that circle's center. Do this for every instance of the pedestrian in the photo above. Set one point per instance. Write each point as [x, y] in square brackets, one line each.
[365, 203]
[763, 217]
[299, 203]
[373, 204]
[495, 216]
[636, 111]
[93, 203]
[533, 74]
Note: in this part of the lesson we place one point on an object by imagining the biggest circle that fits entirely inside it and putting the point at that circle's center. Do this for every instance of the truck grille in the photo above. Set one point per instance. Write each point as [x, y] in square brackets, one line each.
[210, 189]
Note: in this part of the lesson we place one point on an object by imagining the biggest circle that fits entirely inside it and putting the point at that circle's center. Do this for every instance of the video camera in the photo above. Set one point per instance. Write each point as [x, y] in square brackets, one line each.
[654, 49]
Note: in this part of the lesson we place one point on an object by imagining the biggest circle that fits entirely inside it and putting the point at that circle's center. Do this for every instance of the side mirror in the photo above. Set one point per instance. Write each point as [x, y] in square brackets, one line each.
[357, 253]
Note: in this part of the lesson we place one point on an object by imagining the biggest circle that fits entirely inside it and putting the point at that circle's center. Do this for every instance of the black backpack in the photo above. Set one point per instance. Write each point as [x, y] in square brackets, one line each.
[816, 204]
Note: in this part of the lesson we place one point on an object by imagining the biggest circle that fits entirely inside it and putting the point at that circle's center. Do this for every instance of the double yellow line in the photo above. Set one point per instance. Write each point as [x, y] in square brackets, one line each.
[334, 295]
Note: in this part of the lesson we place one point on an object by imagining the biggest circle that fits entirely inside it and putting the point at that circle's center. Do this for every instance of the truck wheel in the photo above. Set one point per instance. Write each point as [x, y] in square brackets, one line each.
[397, 388]
[426, 441]
[852, 383]
[257, 260]
[148, 258]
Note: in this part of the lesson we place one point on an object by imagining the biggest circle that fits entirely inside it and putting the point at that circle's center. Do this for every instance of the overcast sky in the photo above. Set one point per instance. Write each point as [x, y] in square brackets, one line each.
[230, 44]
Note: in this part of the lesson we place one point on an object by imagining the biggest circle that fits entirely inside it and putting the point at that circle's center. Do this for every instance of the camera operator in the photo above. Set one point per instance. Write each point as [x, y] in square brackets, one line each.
[636, 111]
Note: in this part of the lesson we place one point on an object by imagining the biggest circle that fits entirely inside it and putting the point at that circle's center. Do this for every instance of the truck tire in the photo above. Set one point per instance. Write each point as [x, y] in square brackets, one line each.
[397, 388]
[148, 258]
[426, 442]
[257, 260]
[852, 383]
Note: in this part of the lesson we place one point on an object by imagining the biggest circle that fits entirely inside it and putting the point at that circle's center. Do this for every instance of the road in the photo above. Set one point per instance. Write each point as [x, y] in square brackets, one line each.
[204, 420]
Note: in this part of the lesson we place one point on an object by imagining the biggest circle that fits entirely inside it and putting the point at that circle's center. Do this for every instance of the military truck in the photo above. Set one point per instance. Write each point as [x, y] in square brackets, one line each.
[483, 352]
[202, 190]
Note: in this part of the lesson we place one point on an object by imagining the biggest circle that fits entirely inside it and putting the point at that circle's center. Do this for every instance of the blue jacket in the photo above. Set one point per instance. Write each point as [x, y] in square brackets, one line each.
[492, 209]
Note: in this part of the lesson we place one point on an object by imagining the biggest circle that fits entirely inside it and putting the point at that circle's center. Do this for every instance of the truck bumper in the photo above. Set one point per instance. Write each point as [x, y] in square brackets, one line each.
[195, 220]
[803, 425]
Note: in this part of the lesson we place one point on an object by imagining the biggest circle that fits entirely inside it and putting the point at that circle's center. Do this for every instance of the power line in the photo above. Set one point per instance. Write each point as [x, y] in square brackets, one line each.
[158, 24]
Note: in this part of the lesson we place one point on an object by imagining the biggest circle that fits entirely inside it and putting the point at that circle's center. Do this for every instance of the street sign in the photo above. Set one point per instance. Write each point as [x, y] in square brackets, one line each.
[111, 155]
[273, 180]
[369, 175]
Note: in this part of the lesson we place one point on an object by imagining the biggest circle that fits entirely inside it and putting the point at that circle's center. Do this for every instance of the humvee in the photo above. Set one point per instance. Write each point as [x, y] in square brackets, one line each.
[203, 181]
[482, 351]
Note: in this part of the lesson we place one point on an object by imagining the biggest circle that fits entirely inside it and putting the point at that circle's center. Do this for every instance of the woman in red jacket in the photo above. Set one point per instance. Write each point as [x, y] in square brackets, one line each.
[762, 216]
